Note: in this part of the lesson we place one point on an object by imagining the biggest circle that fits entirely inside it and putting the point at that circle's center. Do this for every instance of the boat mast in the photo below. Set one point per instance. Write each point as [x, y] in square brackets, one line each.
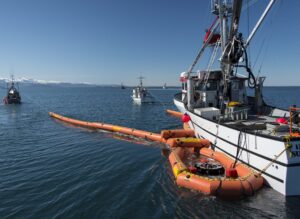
[12, 80]
[230, 39]
[220, 8]
[141, 81]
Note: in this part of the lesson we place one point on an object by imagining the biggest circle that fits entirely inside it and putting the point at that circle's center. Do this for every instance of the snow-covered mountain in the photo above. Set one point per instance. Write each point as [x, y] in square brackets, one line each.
[24, 80]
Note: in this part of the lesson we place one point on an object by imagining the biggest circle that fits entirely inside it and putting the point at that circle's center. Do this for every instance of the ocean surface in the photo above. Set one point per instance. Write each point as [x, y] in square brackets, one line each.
[49, 169]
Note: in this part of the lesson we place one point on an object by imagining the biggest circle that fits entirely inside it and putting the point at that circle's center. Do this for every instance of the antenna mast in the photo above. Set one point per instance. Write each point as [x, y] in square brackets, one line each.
[141, 80]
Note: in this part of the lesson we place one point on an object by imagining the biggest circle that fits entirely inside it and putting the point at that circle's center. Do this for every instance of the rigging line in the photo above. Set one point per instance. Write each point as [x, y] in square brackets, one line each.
[248, 27]
[204, 45]
[263, 60]
[240, 146]
[266, 41]
[244, 145]
[207, 16]
[261, 48]
[270, 36]
[219, 120]
[288, 146]
[211, 62]
[249, 4]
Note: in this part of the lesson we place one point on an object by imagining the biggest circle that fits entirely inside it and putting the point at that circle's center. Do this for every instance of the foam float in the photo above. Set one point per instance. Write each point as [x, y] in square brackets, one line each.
[188, 142]
[109, 127]
[162, 137]
[174, 113]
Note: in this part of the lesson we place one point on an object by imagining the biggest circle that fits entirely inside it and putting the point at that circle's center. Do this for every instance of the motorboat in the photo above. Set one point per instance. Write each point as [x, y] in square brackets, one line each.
[141, 95]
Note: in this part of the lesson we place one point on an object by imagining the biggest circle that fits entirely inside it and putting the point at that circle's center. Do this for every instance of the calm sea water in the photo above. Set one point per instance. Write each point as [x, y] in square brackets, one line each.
[52, 170]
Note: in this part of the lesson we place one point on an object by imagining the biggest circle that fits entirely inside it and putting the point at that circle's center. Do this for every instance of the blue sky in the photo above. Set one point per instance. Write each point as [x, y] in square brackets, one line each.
[114, 41]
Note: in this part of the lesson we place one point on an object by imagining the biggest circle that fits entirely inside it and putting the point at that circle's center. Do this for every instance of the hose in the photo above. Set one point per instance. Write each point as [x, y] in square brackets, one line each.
[251, 77]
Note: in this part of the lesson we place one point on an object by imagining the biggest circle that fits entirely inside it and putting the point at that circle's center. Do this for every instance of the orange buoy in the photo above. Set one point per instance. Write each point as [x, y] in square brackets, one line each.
[179, 115]
[177, 133]
[175, 113]
[246, 183]
[185, 118]
[188, 142]
[113, 128]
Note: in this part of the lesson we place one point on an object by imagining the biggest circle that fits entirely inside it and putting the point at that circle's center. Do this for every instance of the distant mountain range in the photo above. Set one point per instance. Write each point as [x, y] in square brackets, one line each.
[29, 81]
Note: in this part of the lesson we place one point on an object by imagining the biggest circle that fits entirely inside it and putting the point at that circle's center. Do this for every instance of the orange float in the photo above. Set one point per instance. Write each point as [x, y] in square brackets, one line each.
[177, 133]
[188, 142]
[113, 128]
[175, 113]
[245, 184]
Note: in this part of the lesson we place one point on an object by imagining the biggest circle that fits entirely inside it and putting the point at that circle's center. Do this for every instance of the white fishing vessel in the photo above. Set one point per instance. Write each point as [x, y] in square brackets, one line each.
[245, 128]
[141, 95]
[165, 86]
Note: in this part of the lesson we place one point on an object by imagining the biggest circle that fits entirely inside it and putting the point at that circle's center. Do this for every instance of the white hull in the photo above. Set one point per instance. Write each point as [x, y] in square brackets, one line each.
[143, 100]
[258, 151]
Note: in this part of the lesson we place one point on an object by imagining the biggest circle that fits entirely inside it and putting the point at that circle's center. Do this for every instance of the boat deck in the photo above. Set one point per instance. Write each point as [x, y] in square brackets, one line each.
[261, 124]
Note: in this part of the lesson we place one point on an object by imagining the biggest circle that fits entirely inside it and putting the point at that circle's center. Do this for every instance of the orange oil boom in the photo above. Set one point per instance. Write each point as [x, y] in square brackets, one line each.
[182, 143]
[175, 113]
[246, 183]
[165, 134]
[113, 128]
[188, 142]
[177, 133]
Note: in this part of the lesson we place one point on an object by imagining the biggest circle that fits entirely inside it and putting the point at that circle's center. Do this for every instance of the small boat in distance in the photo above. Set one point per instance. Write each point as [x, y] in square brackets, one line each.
[141, 95]
[165, 86]
[122, 86]
[13, 94]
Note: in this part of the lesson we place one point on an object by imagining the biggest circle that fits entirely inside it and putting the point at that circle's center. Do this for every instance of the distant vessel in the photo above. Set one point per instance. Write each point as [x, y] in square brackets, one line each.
[141, 95]
[122, 86]
[13, 95]
[165, 86]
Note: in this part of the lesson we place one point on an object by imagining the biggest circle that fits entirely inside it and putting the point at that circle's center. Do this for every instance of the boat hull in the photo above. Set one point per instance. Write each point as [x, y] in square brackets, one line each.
[7, 100]
[258, 151]
[143, 100]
